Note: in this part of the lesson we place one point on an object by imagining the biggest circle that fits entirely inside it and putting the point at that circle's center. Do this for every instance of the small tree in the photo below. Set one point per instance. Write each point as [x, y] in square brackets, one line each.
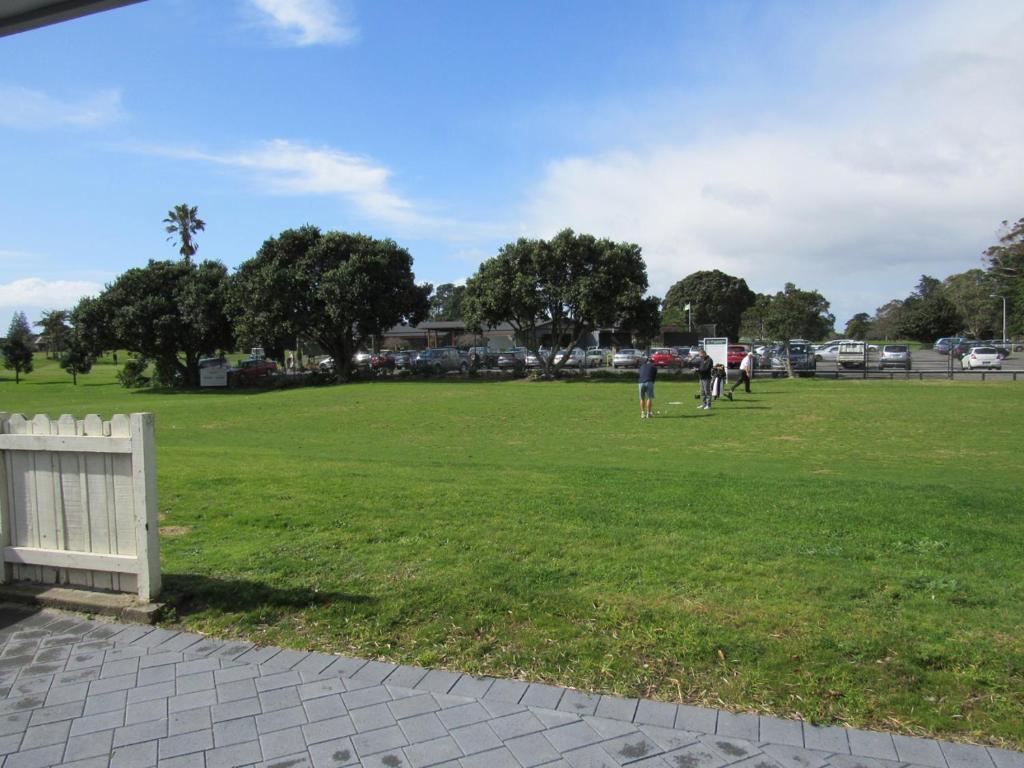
[55, 328]
[77, 358]
[17, 350]
[858, 327]
[181, 225]
[792, 313]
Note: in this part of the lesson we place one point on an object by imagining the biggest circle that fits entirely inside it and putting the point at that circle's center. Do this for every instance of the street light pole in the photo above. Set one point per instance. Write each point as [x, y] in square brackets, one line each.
[997, 296]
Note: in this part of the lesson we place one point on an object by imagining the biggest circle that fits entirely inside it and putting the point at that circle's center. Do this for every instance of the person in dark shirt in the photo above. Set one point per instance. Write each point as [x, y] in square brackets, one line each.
[648, 373]
[705, 365]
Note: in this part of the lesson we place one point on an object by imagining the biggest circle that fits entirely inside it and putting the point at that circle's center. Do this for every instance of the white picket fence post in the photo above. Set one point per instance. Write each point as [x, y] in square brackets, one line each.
[78, 502]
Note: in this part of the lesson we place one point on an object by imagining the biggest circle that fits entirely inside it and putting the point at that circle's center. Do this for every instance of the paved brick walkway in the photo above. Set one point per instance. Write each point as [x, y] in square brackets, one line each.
[92, 694]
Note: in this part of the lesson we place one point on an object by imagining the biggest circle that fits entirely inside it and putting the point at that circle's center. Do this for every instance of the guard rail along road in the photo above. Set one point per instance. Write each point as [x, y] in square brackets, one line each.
[78, 502]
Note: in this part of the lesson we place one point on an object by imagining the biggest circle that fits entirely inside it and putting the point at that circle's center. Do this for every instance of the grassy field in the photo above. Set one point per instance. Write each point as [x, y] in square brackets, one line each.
[849, 552]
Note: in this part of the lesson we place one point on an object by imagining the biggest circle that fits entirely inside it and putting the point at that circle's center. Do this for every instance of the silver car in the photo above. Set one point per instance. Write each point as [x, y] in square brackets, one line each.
[894, 356]
[628, 358]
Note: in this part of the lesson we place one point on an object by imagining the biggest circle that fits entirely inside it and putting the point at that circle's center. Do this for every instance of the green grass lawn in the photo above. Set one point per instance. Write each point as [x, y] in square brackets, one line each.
[849, 552]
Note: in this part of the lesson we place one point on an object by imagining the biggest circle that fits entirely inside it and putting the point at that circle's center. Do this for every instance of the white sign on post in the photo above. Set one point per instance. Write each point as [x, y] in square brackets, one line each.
[718, 351]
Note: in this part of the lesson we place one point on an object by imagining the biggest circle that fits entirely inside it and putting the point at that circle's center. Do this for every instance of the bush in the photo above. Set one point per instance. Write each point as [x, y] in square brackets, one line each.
[132, 375]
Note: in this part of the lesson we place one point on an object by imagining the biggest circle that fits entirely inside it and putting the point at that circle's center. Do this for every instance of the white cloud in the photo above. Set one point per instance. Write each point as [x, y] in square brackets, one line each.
[307, 22]
[27, 108]
[33, 295]
[892, 177]
[292, 168]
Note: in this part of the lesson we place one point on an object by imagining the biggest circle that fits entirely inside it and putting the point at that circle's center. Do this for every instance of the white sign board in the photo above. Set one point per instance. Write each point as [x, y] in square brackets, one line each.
[718, 351]
[214, 376]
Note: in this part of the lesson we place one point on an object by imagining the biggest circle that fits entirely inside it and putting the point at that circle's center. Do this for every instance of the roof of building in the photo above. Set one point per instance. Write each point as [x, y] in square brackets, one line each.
[23, 15]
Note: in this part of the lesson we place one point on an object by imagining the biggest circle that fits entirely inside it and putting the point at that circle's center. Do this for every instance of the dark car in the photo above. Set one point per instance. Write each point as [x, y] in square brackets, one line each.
[801, 359]
[513, 359]
[440, 360]
[382, 362]
[404, 359]
[945, 345]
[962, 347]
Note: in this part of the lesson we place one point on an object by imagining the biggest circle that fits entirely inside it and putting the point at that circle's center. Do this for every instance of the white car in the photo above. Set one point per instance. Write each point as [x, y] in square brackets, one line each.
[981, 357]
[597, 357]
[829, 352]
[628, 358]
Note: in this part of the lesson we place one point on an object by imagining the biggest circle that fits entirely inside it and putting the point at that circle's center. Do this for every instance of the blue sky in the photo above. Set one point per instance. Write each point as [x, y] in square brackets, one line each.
[846, 147]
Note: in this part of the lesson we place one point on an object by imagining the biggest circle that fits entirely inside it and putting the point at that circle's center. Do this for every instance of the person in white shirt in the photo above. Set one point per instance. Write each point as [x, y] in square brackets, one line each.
[746, 373]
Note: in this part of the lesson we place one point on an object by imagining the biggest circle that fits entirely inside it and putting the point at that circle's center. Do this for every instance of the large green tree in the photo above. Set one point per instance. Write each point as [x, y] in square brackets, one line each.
[572, 284]
[714, 298]
[971, 293]
[336, 288]
[1006, 266]
[858, 326]
[446, 302]
[17, 347]
[794, 313]
[927, 313]
[181, 225]
[172, 312]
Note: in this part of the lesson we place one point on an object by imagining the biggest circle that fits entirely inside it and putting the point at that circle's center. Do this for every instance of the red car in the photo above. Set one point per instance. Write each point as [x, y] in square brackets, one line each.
[383, 362]
[735, 354]
[664, 357]
[249, 370]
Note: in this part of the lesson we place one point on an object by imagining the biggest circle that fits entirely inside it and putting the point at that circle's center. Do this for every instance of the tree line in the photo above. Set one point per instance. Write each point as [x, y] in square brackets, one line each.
[341, 289]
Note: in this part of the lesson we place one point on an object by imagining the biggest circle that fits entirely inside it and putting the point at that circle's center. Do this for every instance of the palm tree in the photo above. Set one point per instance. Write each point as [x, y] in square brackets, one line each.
[182, 223]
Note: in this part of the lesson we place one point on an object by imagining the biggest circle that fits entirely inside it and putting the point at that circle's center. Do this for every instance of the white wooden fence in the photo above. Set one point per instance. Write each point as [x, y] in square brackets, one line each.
[78, 502]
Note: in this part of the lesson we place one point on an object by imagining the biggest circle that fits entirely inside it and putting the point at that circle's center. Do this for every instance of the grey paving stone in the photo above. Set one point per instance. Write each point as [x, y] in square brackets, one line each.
[234, 709]
[88, 745]
[826, 738]
[76, 676]
[154, 709]
[22, 703]
[324, 708]
[438, 681]
[572, 736]
[474, 687]
[370, 718]
[696, 756]
[733, 749]
[413, 705]
[195, 760]
[134, 755]
[518, 724]
[149, 692]
[122, 683]
[234, 756]
[392, 759]
[281, 743]
[200, 681]
[194, 700]
[578, 702]
[432, 752]
[118, 668]
[343, 665]
[466, 714]
[655, 713]
[151, 675]
[155, 638]
[276, 680]
[233, 691]
[36, 758]
[105, 702]
[41, 669]
[318, 688]
[475, 738]
[333, 754]
[871, 744]
[326, 730]
[185, 743]
[919, 751]
[279, 719]
[67, 693]
[236, 673]
[1004, 758]
[314, 663]
[379, 740]
[123, 652]
[774, 730]
[699, 719]
[298, 760]
[541, 695]
[496, 758]
[795, 757]
[195, 666]
[616, 708]
[15, 722]
[284, 660]
[365, 697]
[511, 691]
[258, 655]
[44, 735]
[234, 732]
[669, 738]
[553, 718]
[181, 642]
[532, 750]
[133, 734]
[965, 756]
[205, 647]
[84, 661]
[592, 756]
[10, 743]
[37, 686]
[279, 698]
[161, 659]
[611, 729]
[763, 761]
[422, 728]
[57, 712]
[190, 720]
[737, 725]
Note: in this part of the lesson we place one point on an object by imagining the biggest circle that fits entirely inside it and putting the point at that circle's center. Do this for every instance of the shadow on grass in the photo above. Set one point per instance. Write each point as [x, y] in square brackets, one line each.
[192, 593]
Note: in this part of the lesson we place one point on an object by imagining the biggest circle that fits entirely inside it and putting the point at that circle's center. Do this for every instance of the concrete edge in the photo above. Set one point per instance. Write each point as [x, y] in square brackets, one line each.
[122, 607]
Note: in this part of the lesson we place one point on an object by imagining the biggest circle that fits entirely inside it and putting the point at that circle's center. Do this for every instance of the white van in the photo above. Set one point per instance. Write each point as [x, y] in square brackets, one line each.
[856, 354]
